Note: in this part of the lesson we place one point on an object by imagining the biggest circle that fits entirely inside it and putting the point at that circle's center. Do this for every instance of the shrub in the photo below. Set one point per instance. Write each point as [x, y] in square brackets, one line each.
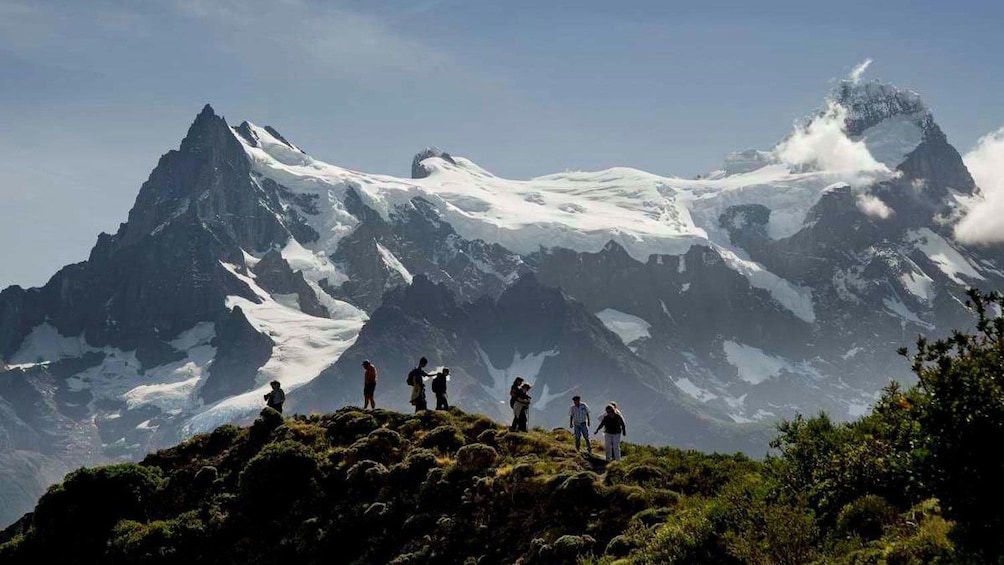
[575, 492]
[620, 546]
[653, 516]
[567, 549]
[476, 457]
[366, 477]
[866, 517]
[411, 472]
[171, 541]
[446, 439]
[278, 478]
[381, 444]
[349, 425]
[77, 516]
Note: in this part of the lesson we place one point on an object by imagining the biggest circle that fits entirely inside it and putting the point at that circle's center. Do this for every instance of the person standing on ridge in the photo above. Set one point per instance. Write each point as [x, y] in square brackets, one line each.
[275, 397]
[578, 420]
[514, 390]
[416, 379]
[369, 385]
[439, 388]
[612, 424]
[521, 408]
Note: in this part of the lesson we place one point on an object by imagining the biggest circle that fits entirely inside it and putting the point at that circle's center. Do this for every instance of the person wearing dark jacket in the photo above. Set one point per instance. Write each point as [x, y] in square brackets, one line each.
[275, 397]
[514, 390]
[521, 408]
[439, 389]
[416, 378]
[613, 426]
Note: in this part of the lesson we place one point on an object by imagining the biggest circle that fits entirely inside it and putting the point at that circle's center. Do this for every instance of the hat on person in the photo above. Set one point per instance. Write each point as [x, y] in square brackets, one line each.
[526, 385]
[367, 363]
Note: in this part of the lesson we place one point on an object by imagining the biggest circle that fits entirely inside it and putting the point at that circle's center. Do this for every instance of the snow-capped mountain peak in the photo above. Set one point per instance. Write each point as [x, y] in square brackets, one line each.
[869, 103]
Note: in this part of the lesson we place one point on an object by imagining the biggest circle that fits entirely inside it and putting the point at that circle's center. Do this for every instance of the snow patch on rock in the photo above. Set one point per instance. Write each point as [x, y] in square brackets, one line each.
[694, 391]
[941, 253]
[629, 328]
[394, 264]
[753, 364]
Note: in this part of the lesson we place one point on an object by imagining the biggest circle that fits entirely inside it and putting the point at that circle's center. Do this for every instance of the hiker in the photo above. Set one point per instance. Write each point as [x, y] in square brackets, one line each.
[578, 420]
[514, 390]
[416, 379]
[275, 397]
[439, 388]
[369, 384]
[612, 424]
[521, 408]
[618, 411]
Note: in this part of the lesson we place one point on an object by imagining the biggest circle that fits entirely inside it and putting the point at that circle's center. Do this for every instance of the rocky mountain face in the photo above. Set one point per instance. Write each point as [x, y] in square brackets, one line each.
[707, 308]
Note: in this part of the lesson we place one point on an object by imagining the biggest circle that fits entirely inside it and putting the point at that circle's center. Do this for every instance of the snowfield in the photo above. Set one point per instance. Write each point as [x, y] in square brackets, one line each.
[647, 214]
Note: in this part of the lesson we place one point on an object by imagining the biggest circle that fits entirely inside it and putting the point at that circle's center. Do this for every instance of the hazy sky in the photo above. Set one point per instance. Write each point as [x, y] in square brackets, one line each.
[92, 93]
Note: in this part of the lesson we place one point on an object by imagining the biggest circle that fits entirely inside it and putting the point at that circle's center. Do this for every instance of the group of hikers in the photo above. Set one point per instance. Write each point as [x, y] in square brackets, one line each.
[579, 417]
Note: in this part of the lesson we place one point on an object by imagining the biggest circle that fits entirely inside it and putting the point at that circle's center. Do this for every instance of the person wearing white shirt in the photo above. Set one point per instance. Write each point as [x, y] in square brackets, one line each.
[578, 420]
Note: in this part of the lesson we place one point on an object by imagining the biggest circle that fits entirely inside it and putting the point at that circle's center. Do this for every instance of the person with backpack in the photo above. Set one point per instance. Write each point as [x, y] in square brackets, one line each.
[439, 388]
[613, 426]
[578, 420]
[275, 397]
[416, 379]
[369, 385]
[521, 408]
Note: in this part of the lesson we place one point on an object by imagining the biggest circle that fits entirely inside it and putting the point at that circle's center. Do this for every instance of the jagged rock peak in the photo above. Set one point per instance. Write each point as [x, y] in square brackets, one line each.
[204, 130]
[869, 103]
[420, 171]
[422, 296]
[244, 130]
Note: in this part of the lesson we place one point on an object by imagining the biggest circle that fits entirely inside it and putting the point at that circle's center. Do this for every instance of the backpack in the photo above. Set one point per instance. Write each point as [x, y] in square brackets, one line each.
[415, 377]
[439, 384]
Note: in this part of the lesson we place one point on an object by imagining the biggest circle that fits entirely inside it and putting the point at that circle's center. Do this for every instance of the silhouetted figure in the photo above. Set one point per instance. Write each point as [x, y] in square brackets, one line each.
[416, 378]
[369, 384]
[578, 420]
[514, 390]
[439, 389]
[613, 426]
[275, 397]
[521, 408]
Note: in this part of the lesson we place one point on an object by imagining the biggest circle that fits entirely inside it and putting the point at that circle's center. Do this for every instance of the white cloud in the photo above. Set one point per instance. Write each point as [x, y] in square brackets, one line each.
[823, 145]
[859, 70]
[982, 222]
[308, 40]
[873, 207]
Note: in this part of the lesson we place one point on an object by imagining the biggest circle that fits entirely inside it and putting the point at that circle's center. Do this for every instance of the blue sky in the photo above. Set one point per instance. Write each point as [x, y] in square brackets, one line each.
[92, 93]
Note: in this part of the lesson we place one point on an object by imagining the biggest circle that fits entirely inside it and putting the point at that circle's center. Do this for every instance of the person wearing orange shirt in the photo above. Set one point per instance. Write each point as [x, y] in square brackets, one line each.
[369, 385]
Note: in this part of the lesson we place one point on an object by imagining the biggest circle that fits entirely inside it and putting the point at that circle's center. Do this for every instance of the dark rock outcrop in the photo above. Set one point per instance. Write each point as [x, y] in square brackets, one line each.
[420, 171]
[240, 351]
[274, 274]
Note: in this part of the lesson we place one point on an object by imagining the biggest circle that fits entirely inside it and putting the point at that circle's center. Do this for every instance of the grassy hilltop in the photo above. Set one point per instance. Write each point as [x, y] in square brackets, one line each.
[384, 487]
